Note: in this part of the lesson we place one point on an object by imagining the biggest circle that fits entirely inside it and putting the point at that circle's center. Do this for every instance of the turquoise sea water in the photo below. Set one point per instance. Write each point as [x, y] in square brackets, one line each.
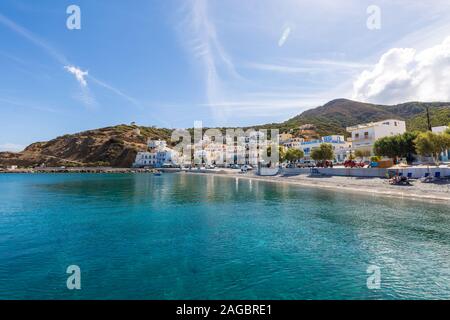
[181, 236]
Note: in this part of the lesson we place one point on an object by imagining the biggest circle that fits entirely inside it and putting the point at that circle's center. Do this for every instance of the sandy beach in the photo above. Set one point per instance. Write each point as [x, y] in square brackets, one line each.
[436, 191]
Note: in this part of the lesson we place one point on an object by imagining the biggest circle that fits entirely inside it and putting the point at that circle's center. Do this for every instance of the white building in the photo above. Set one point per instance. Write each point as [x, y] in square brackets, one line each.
[365, 135]
[341, 147]
[445, 156]
[440, 129]
[209, 153]
[293, 143]
[234, 150]
[155, 144]
[250, 148]
[158, 156]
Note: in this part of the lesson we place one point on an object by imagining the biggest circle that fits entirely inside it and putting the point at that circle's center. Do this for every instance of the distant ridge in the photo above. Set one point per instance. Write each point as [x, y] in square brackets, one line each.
[117, 146]
[334, 116]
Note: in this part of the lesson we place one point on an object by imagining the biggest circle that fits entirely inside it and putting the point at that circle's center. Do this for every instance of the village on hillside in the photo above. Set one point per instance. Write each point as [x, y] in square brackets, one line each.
[375, 149]
[380, 144]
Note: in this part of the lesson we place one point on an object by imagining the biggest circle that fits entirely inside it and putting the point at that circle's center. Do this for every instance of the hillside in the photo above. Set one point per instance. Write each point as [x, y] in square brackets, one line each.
[112, 146]
[336, 115]
[439, 116]
[117, 146]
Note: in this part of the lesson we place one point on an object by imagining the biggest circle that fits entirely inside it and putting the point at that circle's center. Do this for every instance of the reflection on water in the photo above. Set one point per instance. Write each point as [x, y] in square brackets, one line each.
[202, 237]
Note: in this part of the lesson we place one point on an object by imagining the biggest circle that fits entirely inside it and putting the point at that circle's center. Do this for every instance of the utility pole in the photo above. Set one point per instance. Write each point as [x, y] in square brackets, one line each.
[428, 119]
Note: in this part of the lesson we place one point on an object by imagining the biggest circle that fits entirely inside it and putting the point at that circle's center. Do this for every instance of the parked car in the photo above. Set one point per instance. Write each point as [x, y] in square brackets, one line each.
[247, 167]
[305, 165]
[353, 164]
[324, 164]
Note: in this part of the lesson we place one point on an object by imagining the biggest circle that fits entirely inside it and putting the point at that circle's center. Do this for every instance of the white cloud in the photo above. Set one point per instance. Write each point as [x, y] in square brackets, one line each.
[11, 147]
[33, 38]
[338, 64]
[405, 74]
[200, 34]
[284, 37]
[78, 73]
[268, 105]
[116, 91]
[288, 69]
[85, 95]
[293, 66]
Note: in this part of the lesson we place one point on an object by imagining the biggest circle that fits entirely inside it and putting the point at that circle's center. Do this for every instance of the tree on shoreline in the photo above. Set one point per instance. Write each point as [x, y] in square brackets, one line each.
[324, 152]
[398, 146]
[281, 153]
[362, 153]
[293, 155]
[432, 144]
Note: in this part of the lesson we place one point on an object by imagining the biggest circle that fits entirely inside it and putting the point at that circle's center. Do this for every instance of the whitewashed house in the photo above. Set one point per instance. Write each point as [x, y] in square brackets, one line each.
[445, 156]
[365, 135]
[159, 155]
[293, 143]
[340, 146]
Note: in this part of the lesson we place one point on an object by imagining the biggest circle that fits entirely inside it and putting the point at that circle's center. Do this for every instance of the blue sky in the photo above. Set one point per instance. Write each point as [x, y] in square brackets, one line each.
[224, 62]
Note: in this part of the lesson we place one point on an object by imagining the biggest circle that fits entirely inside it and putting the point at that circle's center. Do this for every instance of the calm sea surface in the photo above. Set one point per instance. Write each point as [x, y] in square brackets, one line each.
[181, 236]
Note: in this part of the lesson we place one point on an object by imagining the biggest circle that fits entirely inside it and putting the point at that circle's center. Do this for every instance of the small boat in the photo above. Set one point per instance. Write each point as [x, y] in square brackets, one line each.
[157, 173]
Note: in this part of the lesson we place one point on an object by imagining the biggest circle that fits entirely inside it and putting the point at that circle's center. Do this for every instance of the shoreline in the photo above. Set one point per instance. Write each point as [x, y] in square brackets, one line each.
[403, 193]
[77, 170]
[439, 193]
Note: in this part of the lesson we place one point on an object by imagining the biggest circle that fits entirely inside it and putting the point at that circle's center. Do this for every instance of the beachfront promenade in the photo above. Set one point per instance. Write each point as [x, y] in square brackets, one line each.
[411, 172]
[370, 181]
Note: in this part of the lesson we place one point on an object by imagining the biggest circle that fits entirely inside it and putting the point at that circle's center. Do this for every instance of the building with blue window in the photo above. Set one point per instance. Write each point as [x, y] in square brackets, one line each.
[158, 155]
[341, 147]
[444, 156]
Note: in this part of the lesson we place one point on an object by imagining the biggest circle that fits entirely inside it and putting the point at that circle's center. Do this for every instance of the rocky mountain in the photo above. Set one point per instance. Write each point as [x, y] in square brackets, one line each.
[117, 146]
[112, 146]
